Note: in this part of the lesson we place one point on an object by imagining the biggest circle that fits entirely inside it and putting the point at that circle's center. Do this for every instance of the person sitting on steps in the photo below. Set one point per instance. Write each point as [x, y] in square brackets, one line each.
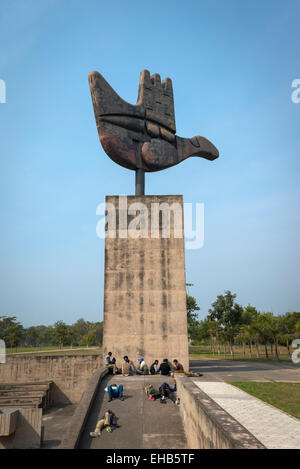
[126, 367]
[178, 368]
[143, 367]
[154, 368]
[164, 368]
[110, 364]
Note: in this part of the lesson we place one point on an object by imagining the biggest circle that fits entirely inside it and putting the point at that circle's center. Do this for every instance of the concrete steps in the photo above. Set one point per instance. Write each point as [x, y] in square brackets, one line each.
[21, 392]
[27, 405]
[26, 394]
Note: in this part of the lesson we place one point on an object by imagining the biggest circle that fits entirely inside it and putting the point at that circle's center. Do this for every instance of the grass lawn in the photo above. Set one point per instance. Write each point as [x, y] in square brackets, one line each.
[239, 358]
[284, 396]
[204, 351]
[52, 350]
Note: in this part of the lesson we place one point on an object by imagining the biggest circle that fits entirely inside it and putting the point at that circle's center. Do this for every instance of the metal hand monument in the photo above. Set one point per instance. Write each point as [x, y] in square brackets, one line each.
[142, 137]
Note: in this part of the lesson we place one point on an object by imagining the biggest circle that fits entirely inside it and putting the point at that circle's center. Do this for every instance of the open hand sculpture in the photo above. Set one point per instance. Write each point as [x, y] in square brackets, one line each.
[143, 136]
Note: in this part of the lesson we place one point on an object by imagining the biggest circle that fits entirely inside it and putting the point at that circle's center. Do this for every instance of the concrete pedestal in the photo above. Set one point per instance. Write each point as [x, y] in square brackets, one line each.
[145, 293]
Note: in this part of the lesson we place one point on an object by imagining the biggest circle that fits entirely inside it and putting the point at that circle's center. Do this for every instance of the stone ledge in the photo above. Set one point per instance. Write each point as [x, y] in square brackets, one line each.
[77, 423]
[8, 421]
[207, 425]
[28, 431]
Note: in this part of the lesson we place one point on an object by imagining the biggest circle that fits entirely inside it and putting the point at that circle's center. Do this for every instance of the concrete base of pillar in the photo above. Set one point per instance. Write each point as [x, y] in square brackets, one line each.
[145, 293]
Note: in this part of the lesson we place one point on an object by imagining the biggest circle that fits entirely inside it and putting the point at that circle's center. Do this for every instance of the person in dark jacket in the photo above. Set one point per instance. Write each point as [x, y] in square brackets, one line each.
[110, 364]
[167, 392]
[178, 368]
[154, 368]
[164, 368]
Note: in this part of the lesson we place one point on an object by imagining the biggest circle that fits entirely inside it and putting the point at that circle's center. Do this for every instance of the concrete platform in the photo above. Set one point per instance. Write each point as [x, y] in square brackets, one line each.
[144, 424]
[54, 422]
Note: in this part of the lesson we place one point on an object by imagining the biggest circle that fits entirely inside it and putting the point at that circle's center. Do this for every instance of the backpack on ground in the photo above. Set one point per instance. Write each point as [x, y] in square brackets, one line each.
[151, 391]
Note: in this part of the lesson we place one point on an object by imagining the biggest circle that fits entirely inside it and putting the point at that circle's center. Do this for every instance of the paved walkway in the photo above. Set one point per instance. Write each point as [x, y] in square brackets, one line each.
[226, 370]
[272, 427]
[144, 424]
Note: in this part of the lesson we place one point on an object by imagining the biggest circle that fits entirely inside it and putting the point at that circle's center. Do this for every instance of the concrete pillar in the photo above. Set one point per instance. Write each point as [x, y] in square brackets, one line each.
[145, 295]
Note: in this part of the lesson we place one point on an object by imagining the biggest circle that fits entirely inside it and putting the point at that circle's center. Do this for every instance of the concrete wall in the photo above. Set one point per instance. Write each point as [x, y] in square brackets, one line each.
[75, 427]
[70, 374]
[28, 431]
[8, 421]
[145, 293]
[206, 424]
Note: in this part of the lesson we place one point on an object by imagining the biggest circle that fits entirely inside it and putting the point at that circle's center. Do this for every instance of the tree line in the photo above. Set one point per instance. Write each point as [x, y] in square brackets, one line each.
[80, 333]
[228, 324]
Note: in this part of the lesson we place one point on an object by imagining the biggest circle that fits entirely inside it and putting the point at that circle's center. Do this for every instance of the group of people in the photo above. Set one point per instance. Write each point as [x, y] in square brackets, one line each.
[129, 369]
[166, 368]
[109, 421]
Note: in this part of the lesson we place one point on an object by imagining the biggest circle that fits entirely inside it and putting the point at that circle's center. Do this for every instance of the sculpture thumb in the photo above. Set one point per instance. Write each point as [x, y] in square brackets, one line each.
[196, 146]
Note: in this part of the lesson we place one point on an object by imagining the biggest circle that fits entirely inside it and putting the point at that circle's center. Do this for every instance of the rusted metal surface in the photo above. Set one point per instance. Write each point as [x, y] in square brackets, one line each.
[143, 136]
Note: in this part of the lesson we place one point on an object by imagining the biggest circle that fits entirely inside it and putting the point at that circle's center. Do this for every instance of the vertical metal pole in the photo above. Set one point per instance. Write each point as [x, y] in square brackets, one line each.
[139, 182]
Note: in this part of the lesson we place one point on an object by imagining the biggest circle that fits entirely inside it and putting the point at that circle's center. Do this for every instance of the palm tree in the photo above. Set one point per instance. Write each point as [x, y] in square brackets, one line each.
[241, 338]
[287, 326]
[262, 330]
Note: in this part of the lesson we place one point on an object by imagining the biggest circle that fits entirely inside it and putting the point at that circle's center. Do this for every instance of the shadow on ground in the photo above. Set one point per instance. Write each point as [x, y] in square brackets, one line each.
[54, 422]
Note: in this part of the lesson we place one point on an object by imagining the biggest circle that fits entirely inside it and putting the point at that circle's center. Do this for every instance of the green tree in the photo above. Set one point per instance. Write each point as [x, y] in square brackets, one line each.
[31, 336]
[228, 314]
[249, 315]
[288, 329]
[47, 336]
[192, 317]
[11, 331]
[61, 332]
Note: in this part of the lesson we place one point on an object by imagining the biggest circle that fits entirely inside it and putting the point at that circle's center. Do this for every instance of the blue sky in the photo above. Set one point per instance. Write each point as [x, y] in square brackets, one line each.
[232, 64]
